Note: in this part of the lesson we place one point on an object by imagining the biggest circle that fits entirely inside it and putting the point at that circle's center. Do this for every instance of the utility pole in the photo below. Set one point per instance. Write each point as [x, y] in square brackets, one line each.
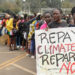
[23, 6]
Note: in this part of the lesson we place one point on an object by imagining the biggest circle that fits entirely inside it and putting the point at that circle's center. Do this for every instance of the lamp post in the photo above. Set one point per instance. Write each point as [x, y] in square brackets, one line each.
[23, 1]
[29, 8]
[50, 1]
[62, 3]
[64, 11]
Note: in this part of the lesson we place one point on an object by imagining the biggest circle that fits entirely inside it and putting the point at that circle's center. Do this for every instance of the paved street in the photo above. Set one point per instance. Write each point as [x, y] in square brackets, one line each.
[16, 62]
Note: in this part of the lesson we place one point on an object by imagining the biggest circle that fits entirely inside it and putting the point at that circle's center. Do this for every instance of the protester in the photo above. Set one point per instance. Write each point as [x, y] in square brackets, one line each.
[72, 24]
[57, 21]
[12, 29]
[18, 37]
[31, 35]
[47, 19]
[25, 27]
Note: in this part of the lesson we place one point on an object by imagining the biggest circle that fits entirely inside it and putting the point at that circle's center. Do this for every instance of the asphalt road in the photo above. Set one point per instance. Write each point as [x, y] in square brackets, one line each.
[16, 62]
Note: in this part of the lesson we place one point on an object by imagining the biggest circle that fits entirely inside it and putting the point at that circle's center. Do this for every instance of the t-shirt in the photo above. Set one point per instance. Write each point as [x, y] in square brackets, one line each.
[43, 26]
[57, 25]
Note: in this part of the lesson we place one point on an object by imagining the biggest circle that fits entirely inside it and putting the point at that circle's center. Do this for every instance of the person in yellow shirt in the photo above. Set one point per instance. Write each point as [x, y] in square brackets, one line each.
[12, 30]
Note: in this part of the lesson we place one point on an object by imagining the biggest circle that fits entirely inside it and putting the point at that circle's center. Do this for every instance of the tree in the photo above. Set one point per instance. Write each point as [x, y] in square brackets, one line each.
[67, 4]
[14, 6]
[54, 3]
[19, 3]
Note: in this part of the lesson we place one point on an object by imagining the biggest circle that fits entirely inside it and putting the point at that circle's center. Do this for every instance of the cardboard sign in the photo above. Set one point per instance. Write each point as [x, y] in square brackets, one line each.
[55, 51]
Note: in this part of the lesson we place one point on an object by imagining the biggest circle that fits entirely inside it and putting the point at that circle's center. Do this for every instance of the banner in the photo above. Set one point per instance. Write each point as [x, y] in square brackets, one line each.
[55, 51]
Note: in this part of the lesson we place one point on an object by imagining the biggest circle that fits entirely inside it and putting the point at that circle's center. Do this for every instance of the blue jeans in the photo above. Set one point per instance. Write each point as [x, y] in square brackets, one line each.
[18, 40]
[32, 47]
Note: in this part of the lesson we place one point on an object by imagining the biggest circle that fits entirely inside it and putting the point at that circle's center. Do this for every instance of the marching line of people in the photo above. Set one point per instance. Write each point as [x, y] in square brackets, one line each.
[21, 30]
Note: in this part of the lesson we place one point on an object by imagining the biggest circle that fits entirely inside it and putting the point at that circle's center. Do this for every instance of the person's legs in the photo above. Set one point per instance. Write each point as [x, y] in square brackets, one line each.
[32, 49]
[18, 41]
[28, 50]
[8, 41]
[26, 44]
[21, 41]
[14, 42]
[0, 31]
[23, 44]
[11, 42]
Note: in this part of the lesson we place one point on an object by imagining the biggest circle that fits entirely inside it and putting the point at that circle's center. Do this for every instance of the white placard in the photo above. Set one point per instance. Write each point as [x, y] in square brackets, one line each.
[55, 51]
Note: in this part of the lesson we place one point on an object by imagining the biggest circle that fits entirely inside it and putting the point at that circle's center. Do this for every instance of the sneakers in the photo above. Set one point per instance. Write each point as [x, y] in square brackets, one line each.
[10, 49]
[16, 49]
[28, 55]
[32, 57]
[18, 46]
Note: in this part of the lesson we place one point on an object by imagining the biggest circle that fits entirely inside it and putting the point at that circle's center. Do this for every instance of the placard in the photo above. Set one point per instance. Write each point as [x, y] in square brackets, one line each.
[55, 51]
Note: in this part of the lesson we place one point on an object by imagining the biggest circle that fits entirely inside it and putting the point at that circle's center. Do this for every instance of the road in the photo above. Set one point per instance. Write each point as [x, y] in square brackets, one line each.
[16, 62]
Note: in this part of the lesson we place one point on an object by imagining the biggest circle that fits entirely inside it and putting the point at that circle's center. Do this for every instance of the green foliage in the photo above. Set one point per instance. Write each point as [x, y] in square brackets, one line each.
[68, 4]
[54, 3]
[34, 5]
[11, 6]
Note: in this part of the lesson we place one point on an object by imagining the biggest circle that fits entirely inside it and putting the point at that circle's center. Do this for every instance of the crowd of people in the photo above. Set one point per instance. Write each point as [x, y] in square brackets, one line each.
[21, 29]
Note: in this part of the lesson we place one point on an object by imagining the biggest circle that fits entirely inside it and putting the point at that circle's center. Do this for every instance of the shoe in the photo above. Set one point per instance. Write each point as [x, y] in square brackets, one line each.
[10, 49]
[16, 49]
[28, 55]
[20, 46]
[17, 46]
[32, 57]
